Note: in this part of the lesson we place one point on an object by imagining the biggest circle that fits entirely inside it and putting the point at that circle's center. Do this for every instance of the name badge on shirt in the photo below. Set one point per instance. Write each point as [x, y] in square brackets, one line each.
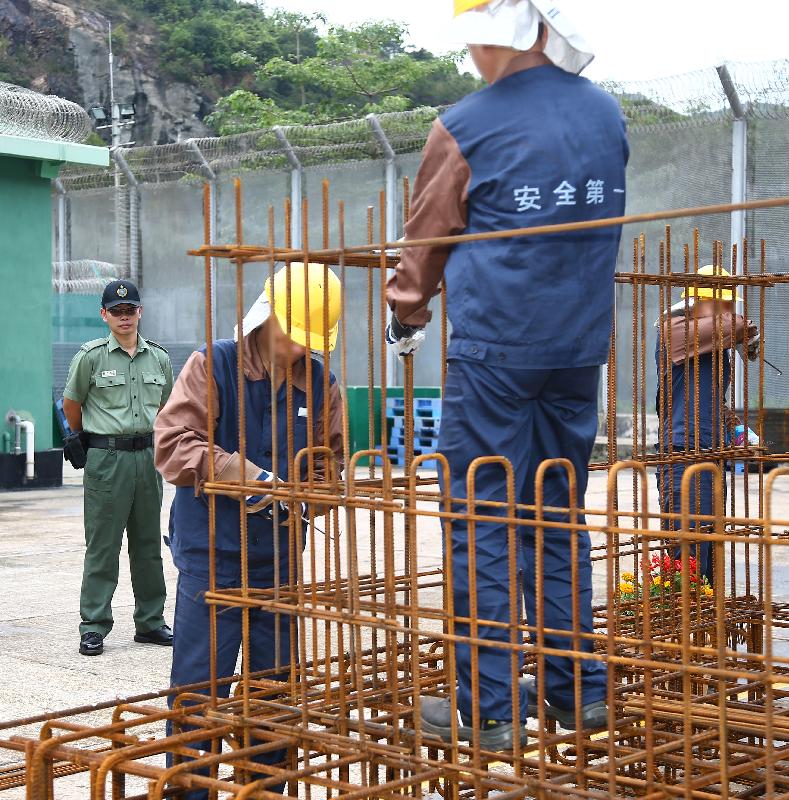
[302, 412]
[109, 373]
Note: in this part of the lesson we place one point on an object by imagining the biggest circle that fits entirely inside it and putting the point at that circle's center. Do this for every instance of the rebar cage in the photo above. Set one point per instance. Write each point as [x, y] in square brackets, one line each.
[697, 686]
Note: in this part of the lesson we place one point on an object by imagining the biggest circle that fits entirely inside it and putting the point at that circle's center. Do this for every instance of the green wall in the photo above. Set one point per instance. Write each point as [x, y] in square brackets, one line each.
[26, 294]
[75, 318]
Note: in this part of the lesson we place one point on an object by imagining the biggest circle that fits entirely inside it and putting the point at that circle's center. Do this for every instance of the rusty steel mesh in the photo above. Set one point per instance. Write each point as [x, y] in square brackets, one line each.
[698, 674]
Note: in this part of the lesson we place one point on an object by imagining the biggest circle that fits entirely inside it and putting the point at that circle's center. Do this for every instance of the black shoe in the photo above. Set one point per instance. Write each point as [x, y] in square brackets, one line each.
[162, 636]
[494, 735]
[91, 644]
[594, 716]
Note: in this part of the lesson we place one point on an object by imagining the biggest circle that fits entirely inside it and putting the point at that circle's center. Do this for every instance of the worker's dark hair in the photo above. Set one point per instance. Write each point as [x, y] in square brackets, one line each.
[540, 30]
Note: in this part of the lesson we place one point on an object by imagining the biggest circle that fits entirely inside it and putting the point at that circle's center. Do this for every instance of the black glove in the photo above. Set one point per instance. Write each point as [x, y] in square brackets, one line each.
[400, 331]
[75, 449]
[284, 512]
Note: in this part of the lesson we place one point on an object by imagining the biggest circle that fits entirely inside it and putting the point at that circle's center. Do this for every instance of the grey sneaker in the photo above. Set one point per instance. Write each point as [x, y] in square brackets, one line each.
[593, 715]
[437, 721]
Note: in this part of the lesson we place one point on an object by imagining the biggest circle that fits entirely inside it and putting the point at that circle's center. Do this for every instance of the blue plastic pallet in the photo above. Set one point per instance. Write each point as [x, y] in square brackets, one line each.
[397, 439]
[422, 425]
[398, 451]
[399, 461]
[423, 407]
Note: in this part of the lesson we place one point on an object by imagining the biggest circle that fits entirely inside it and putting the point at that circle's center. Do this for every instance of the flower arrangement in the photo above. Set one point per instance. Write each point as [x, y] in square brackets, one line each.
[665, 576]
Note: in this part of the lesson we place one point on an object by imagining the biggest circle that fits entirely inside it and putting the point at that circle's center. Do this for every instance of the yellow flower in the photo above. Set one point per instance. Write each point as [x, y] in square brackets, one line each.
[667, 584]
[628, 576]
[626, 588]
[708, 591]
[656, 580]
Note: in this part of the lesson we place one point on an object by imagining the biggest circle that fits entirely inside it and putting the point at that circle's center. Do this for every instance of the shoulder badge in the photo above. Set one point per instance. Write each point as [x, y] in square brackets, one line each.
[94, 343]
[156, 344]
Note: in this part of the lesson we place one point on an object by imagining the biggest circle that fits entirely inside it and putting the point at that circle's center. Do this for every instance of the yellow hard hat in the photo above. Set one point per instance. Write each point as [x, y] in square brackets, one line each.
[709, 292]
[319, 292]
[461, 6]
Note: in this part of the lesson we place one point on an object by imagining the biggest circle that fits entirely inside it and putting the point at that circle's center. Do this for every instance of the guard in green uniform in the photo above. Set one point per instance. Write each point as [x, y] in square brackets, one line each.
[114, 391]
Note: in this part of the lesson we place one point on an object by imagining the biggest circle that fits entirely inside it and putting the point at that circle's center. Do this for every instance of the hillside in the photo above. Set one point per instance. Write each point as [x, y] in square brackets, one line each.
[176, 59]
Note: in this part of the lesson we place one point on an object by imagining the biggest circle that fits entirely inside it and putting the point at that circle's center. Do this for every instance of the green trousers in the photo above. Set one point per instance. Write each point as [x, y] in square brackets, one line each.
[123, 490]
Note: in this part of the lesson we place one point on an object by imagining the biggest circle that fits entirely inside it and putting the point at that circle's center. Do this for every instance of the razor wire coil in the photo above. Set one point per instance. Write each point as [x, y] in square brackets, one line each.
[27, 113]
[692, 99]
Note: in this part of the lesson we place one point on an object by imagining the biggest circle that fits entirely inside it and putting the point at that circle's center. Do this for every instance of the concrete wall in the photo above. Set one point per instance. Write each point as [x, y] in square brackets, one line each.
[669, 167]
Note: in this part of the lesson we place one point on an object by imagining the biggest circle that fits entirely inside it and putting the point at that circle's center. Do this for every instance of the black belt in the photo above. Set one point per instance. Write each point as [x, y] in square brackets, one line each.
[121, 442]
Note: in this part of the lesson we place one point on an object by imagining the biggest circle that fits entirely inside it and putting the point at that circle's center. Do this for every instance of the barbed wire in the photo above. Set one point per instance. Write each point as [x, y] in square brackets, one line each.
[691, 99]
[27, 113]
[84, 276]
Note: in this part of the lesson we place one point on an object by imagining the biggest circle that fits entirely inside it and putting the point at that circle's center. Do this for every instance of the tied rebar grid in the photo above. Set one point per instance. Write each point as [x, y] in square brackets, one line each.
[697, 687]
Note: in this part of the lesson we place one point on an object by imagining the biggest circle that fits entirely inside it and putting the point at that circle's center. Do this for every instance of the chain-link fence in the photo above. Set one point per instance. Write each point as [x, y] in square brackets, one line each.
[711, 136]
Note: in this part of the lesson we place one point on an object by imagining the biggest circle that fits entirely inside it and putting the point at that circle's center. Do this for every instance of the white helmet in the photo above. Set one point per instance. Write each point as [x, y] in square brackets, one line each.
[515, 23]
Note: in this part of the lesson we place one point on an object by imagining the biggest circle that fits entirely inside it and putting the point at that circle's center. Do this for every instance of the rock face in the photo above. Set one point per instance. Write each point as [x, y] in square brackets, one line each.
[61, 48]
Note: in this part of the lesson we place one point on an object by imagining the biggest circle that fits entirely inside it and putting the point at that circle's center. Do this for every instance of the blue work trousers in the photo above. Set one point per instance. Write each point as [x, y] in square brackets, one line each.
[526, 415]
[191, 650]
[669, 477]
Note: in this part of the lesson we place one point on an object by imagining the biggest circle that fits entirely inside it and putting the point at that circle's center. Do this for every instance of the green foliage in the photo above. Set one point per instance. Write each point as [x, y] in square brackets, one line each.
[216, 44]
[265, 66]
[638, 109]
[120, 38]
[242, 111]
[95, 139]
[356, 71]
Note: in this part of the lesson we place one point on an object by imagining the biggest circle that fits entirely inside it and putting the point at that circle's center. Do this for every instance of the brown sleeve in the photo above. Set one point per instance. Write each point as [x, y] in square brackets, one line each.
[708, 332]
[335, 432]
[181, 428]
[438, 208]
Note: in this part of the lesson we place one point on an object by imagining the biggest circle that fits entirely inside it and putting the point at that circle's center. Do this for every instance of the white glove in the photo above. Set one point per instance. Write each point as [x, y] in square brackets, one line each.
[403, 345]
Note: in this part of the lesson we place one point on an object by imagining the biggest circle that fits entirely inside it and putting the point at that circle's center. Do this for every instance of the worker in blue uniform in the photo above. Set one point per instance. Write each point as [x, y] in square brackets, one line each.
[703, 338]
[531, 324]
[182, 457]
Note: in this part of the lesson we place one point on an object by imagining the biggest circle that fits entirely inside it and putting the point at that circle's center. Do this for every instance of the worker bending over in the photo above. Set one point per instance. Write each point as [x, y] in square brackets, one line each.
[182, 457]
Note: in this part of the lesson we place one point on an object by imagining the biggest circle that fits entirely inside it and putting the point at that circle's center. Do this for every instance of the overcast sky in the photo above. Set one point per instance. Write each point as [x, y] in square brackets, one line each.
[632, 39]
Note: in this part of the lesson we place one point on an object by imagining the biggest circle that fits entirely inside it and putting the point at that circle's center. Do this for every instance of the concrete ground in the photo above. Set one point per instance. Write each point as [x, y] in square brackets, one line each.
[41, 552]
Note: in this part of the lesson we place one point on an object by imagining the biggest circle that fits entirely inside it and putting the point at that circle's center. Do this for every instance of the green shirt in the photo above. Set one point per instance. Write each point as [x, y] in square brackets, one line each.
[119, 395]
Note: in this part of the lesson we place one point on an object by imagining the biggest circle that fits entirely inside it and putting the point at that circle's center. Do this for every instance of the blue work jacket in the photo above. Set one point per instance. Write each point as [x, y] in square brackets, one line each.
[543, 147]
[189, 518]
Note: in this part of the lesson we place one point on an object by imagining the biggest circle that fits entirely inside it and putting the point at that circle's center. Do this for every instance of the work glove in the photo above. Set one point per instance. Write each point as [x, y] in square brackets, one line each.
[403, 339]
[235, 471]
[739, 437]
[75, 449]
[284, 512]
[754, 347]
[257, 503]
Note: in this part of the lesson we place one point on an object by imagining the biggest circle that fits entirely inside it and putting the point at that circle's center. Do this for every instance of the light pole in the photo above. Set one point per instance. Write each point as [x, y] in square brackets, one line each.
[121, 115]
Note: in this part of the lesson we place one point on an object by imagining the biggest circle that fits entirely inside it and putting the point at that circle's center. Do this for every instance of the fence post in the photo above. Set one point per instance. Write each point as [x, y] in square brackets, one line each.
[295, 186]
[134, 214]
[739, 170]
[210, 175]
[62, 248]
[391, 221]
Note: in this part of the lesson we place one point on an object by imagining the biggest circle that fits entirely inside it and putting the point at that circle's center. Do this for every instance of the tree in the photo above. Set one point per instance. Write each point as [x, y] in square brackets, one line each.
[243, 111]
[355, 71]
